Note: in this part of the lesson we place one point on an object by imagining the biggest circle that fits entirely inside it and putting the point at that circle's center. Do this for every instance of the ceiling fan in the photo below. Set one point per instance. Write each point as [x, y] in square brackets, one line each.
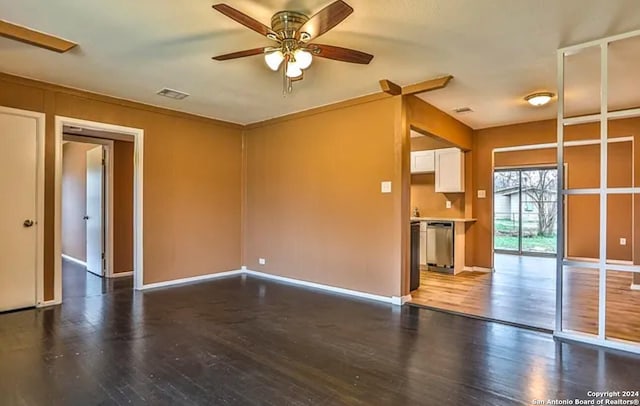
[293, 32]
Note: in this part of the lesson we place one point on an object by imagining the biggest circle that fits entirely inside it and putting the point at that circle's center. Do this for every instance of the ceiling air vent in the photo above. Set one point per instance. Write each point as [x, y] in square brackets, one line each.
[461, 110]
[172, 94]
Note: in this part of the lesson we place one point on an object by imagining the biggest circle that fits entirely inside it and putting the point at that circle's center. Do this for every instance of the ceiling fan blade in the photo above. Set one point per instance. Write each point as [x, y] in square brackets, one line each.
[340, 54]
[243, 19]
[326, 19]
[239, 54]
[33, 37]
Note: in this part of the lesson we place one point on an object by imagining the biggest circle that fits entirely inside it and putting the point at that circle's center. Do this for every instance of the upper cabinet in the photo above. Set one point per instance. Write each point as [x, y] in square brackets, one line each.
[423, 161]
[449, 168]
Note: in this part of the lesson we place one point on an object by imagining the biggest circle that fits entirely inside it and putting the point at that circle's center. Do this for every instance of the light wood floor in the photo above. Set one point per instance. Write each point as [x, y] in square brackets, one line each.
[522, 291]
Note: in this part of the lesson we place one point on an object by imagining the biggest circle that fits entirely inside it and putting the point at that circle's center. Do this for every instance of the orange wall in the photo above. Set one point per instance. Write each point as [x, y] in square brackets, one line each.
[74, 197]
[122, 206]
[192, 178]
[314, 209]
[432, 204]
[582, 171]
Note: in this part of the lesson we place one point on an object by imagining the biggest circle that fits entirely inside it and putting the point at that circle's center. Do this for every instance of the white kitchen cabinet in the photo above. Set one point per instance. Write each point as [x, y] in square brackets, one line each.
[422, 161]
[449, 168]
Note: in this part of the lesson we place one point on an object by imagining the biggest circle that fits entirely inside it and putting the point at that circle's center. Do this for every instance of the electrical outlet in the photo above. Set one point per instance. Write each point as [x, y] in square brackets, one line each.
[448, 204]
[385, 186]
[262, 261]
[623, 241]
[482, 194]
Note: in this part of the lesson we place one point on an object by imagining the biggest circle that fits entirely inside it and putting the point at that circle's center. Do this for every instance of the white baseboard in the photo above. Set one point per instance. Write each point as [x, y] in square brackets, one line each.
[191, 279]
[395, 300]
[635, 286]
[49, 303]
[477, 269]
[356, 293]
[120, 274]
[76, 260]
[400, 300]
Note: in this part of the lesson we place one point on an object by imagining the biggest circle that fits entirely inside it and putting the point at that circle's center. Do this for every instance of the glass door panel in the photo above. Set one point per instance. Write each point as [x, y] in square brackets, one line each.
[623, 302]
[580, 303]
[525, 208]
[539, 200]
[506, 211]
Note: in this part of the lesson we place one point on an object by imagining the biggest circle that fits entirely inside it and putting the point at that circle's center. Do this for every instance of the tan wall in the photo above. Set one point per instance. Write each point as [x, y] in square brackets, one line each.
[582, 171]
[192, 170]
[74, 199]
[314, 208]
[122, 206]
[432, 204]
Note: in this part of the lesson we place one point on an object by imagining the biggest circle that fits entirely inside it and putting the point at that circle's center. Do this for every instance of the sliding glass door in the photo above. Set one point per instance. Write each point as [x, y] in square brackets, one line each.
[524, 211]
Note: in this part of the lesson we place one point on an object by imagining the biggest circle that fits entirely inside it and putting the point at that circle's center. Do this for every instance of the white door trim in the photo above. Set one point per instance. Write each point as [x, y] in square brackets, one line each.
[138, 135]
[40, 131]
[108, 199]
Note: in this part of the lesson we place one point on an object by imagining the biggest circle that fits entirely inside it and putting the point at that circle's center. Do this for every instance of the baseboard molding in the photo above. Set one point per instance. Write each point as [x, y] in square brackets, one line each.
[478, 269]
[120, 274]
[400, 300]
[191, 279]
[48, 303]
[609, 261]
[76, 260]
[395, 300]
[356, 293]
[635, 286]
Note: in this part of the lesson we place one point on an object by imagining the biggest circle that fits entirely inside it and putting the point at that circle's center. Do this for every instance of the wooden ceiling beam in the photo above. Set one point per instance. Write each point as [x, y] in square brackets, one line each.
[32, 37]
[389, 87]
[432, 84]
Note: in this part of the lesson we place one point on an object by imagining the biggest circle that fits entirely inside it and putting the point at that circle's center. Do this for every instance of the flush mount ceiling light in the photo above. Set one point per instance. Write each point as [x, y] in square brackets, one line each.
[292, 31]
[539, 99]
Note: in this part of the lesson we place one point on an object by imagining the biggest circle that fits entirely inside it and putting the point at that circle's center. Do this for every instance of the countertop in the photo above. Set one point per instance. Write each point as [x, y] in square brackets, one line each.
[456, 220]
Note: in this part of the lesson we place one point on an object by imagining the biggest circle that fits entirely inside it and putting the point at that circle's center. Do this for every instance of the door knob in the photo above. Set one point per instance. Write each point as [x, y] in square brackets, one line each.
[28, 223]
[85, 218]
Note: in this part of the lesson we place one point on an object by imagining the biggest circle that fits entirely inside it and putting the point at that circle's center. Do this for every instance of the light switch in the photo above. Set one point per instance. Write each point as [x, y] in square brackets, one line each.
[482, 194]
[385, 186]
[623, 241]
[448, 204]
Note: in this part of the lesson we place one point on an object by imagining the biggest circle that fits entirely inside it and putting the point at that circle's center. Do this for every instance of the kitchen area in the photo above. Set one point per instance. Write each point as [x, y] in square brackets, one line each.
[439, 213]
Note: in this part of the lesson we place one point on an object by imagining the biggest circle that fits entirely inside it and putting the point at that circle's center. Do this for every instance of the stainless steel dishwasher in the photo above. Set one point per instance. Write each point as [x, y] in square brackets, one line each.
[440, 245]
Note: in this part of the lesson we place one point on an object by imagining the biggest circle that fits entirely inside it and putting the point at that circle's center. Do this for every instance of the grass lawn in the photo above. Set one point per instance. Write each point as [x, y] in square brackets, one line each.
[533, 244]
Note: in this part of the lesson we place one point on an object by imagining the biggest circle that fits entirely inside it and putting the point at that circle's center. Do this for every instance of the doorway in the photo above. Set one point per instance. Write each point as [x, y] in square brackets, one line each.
[108, 212]
[97, 213]
[524, 211]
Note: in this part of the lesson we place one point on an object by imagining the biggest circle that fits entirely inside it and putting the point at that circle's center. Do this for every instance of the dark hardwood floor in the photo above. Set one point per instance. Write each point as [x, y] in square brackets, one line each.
[77, 282]
[248, 341]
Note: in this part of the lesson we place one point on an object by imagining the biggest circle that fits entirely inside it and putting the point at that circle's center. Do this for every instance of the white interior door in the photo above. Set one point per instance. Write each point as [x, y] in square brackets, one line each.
[18, 223]
[95, 210]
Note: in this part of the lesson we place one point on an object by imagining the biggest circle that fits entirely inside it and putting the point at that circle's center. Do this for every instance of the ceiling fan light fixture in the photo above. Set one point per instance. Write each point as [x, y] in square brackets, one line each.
[293, 70]
[274, 59]
[303, 58]
[539, 99]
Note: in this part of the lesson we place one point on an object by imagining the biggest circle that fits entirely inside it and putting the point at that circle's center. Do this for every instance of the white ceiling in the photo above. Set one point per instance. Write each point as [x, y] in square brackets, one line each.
[498, 51]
